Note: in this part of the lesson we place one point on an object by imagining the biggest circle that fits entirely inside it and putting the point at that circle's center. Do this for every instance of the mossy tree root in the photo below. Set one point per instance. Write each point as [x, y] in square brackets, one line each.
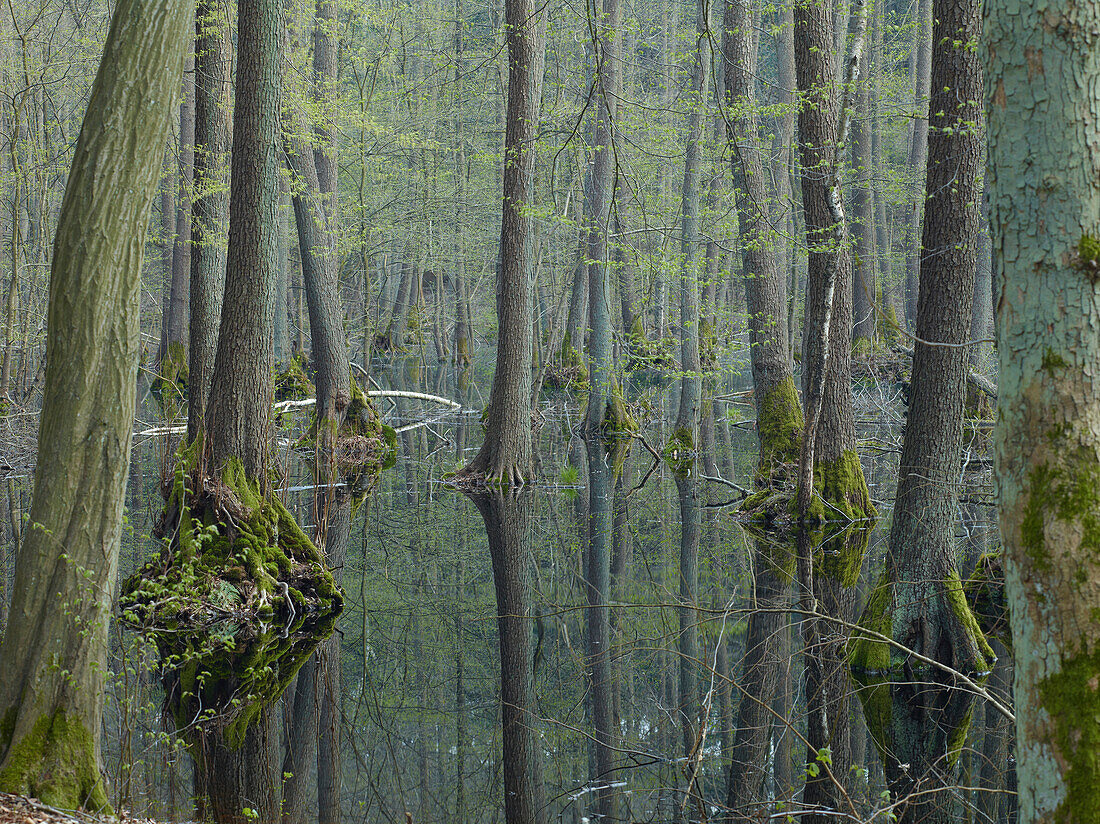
[54, 761]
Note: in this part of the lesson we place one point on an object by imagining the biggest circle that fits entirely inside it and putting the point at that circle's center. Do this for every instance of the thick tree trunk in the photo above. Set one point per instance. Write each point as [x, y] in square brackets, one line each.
[55, 647]
[238, 415]
[210, 209]
[919, 602]
[1041, 97]
[506, 454]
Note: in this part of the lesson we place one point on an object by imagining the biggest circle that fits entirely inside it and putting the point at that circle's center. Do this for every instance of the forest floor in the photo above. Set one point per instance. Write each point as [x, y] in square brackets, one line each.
[17, 809]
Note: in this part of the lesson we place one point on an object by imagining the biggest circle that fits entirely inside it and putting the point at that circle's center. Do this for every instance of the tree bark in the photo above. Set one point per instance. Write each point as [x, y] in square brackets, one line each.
[1041, 97]
[55, 646]
[238, 414]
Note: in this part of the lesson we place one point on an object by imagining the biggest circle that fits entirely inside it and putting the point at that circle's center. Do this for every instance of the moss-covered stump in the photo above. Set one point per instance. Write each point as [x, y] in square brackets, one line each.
[55, 763]
[569, 372]
[232, 554]
[985, 592]
[364, 445]
[292, 382]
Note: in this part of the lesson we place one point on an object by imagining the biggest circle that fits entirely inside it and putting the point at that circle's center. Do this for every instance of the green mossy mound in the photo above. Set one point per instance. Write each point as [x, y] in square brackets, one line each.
[232, 553]
[218, 682]
[235, 602]
[292, 381]
[569, 372]
[679, 452]
[55, 763]
[364, 445]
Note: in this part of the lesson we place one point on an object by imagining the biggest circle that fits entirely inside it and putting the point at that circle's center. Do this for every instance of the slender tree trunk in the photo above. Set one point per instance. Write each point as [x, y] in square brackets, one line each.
[779, 414]
[52, 683]
[213, 57]
[508, 524]
[828, 440]
[863, 217]
[506, 454]
[181, 253]
[599, 207]
[918, 152]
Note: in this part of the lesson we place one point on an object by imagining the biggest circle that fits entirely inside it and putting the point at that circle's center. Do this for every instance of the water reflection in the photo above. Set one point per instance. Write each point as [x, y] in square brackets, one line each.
[651, 685]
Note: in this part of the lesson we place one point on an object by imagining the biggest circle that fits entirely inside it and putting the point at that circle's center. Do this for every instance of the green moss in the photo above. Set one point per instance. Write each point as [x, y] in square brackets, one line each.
[839, 553]
[869, 655]
[618, 423]
[779, 425]
[291, 380]
[955, 596]
[840, 491]
[55, 762]
[679, 452]
[876, 696]
[985, 594]
[227, 532]
[1071, 697]
[1088, 251]
[1053, 360]
[1068, 492]
[862, 347]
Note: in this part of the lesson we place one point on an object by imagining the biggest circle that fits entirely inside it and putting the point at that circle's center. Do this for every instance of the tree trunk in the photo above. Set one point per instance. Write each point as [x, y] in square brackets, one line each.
[210, 209]
[918, 152]
[176, 354]
[778, 411]
[828, 463]
[506, 454]
[52, 685]
[863, 219]
[1040, 97]
[601, 364]
[919, 602]
[238, 415]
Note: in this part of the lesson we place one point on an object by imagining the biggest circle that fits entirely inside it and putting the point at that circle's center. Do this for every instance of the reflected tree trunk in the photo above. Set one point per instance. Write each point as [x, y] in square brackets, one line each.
[507, 518]
[773, 564]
